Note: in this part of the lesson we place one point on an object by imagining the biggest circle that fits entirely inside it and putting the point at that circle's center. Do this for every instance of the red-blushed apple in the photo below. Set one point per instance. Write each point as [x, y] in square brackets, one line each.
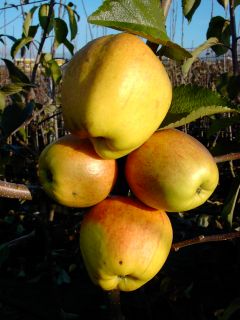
[172, 171]
[73, 174]
[124, 243]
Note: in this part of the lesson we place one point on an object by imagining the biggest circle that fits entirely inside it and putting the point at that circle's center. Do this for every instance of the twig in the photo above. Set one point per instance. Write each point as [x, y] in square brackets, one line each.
[44, 36]
[50, 117]
[202, 239]
[22, 4]
[20, 241]
[16, 191]
[28, 120]
[227, 157]
[234, 37]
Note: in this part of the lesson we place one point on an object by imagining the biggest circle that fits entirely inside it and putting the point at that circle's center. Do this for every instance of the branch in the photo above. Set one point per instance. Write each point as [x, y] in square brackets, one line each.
[20, 241]
[17, 191]
[44, 36]
[28, 120]
[22, 4]
[234, 37]
[202, 239]
[227, 157]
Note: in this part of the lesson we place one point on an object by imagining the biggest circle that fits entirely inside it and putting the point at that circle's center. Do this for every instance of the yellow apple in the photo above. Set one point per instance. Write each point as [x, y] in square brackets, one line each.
[172, 171]
[124, 243]
[73, 174]
[116, 92]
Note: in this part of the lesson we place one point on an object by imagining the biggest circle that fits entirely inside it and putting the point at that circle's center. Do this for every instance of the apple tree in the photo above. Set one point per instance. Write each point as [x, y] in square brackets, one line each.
[28, 124]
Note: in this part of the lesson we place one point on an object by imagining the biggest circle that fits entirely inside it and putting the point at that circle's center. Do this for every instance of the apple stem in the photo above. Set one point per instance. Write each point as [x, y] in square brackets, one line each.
[115, 305]
[200, 239]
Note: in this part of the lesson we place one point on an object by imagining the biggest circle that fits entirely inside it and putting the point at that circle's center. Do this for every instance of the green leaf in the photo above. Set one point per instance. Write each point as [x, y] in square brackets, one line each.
[144, 18]
[223, 3]
[19, 44]
[15, 74]
[28, 21]
[231, 200]
[9, 37]
[220, 28]
[196, 52]
[14, 116]
[222, 124]
[2, 100]
[230, 310]
[43, 17]
[72, 22]
[190, 103]
[12, 88]
[236, 3]
[174, 51]
[69, 46]
[61, 31]
[228, 85]
[55, 71]
[32, 31]
[4, 253]
[189, 7]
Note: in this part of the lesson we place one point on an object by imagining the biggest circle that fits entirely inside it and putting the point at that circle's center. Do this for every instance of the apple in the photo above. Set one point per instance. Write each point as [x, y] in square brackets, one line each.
[172, 171]
[124, 243]
[73, 174]
[116, 92]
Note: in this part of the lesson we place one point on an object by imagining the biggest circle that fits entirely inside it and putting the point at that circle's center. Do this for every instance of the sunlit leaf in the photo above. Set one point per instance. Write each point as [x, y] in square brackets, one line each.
[2, 100]
[190, 103]
[12, 88]
[20, 43]
[28, 21]
[55, 71]
[223, 3]
[72, 22]
[196, 52]
[144, 18]
[44, 21]
[189, 7]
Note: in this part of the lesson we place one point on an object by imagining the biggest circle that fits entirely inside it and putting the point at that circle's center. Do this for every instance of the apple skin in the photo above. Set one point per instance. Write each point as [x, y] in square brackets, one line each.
[73, 174]
[116, 92]
[172, 171]
[124, 243]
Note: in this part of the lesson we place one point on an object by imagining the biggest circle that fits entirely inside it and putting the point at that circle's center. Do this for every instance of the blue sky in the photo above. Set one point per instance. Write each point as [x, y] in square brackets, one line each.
[179, 30]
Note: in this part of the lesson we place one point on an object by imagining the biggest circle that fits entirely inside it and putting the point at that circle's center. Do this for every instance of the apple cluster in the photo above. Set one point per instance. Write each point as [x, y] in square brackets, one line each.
[115, 94]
